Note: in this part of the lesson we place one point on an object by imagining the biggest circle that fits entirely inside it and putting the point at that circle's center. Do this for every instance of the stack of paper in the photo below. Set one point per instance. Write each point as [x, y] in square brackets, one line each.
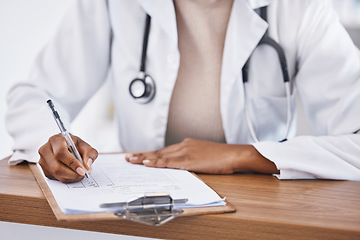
[115, 180]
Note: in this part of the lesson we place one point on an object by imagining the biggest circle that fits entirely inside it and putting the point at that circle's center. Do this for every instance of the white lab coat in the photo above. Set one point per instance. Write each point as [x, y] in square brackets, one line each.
[323, 62]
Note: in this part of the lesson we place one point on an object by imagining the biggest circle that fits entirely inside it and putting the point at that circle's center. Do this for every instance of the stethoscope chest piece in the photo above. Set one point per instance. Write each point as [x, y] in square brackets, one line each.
[142, 89]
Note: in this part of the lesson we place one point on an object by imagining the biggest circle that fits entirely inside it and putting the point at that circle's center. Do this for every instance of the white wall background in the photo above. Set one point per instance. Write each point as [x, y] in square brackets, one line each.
[24, 29]
[25, 26]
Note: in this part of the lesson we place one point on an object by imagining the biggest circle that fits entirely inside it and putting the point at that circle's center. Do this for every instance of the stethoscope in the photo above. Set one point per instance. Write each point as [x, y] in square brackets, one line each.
[143, 89]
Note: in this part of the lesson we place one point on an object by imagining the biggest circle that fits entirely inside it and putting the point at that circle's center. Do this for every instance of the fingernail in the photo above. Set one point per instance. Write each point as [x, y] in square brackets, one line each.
[80, 171]
[146, 161]
[90, 162]
[134, 158]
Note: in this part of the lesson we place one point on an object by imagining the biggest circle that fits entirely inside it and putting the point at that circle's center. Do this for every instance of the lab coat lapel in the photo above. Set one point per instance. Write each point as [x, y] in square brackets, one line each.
[244, 32]
[163, 13]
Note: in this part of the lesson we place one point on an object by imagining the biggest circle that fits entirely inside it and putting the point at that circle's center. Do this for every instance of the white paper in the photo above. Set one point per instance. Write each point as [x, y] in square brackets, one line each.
[115, 180]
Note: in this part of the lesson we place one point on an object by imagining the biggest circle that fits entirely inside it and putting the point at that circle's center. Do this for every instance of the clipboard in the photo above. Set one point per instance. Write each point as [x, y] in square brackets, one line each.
[228, 208]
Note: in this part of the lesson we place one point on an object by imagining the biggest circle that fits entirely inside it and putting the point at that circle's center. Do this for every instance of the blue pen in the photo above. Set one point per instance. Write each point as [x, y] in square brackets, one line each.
[66, 135]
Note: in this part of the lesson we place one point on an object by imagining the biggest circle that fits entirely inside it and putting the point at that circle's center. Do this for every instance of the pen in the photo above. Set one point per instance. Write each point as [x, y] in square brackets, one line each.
[66, 135]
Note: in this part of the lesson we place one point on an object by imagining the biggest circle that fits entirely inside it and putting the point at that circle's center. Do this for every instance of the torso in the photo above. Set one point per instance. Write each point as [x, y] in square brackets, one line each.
[195, 103]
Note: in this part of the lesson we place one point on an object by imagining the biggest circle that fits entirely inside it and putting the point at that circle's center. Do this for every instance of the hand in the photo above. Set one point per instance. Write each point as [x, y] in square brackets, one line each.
[206, 157]
[59, 163]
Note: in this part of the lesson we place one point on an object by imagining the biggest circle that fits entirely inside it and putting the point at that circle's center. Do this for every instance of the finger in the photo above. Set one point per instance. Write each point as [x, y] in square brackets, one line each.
[62, 154]
[176, 162]
[138, 158]
[45, 168]
[88, 153]
[158, 163]
[132, 157]
[65, 179]
[169, 160]
[171, 148]
[54, 169]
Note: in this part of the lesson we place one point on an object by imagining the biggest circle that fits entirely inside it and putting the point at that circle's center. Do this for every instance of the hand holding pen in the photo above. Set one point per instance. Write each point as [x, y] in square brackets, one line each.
[62, 156]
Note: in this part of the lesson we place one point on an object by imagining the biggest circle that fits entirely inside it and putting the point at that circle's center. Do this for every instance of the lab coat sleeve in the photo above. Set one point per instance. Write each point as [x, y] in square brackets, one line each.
[328, 81]
[69, 70]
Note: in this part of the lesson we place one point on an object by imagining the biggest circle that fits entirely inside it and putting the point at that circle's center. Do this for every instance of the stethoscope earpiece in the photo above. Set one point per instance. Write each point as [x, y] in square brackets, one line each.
[142, 89]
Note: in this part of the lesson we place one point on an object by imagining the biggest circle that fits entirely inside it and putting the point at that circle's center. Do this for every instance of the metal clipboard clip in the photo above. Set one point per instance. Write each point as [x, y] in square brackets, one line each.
[152, 209]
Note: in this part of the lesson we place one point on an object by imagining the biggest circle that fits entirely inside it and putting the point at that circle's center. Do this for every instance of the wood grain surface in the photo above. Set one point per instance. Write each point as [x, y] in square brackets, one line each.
[267, 208]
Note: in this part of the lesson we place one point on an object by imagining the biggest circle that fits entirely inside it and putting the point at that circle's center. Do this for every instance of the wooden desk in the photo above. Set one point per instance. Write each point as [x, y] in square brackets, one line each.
[267, 208]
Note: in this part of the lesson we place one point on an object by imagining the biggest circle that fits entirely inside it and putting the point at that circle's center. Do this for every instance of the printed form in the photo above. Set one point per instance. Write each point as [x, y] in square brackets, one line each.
[115, 180]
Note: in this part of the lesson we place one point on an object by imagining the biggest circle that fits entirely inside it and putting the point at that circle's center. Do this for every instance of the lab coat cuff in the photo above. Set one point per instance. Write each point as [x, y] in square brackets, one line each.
[274, 152]
[20, 156]
[287, 174]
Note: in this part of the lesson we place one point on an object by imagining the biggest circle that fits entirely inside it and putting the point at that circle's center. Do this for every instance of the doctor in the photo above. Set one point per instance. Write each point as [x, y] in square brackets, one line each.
[200, 114]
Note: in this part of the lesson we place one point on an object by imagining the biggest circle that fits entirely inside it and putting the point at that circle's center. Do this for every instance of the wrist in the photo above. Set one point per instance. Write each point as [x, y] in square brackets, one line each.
[248, 159]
